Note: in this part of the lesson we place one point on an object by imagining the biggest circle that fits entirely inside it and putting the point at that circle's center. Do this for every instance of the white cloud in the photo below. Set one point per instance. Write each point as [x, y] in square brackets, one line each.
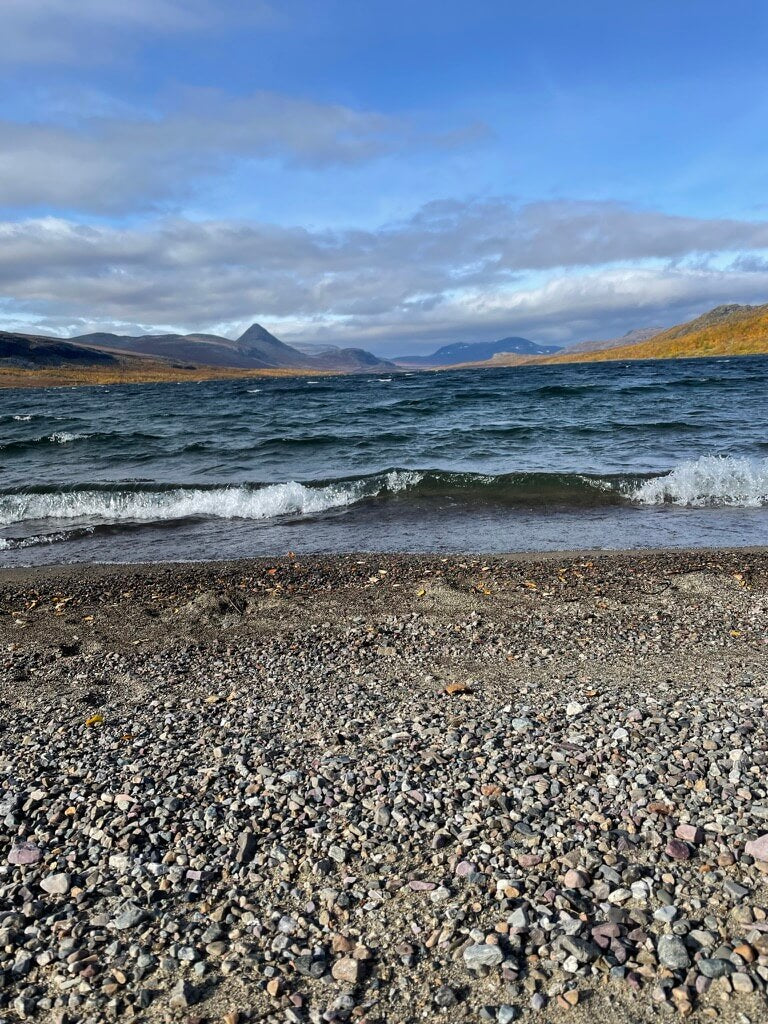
[452, 271]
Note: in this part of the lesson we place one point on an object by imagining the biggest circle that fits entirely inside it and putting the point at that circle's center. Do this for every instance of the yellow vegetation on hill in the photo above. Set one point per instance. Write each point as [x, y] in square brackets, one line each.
[133, 372]
[726, 331]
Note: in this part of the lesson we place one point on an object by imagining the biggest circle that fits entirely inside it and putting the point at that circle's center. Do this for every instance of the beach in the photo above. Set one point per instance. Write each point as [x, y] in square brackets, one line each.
[386, 788]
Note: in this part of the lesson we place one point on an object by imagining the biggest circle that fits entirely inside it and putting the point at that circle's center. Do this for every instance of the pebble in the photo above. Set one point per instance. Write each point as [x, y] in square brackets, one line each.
[672, 952]
[24, 853]
[57, 884]
[348, 970]
[690, 833]
[715, 967]
[677, 849]
[445, 997]
[757, 848]
[576, 879]
[507, 1013]
[482, 955]
[270, 803]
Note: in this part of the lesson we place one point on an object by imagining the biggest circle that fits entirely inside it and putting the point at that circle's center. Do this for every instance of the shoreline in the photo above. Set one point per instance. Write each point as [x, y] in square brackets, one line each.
[30, 379]
[219, 565]
[21, 379]
[385, 788]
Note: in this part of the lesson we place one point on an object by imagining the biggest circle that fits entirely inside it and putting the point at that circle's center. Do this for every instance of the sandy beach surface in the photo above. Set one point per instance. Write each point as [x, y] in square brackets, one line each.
[386, 788]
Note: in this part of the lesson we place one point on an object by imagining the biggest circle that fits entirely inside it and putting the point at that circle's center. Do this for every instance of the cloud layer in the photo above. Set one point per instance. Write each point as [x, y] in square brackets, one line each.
[454, 270]
[111, 165]
[62, 32]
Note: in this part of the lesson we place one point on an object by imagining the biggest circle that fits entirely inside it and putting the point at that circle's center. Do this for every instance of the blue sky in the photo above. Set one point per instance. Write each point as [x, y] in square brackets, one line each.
[396, 175]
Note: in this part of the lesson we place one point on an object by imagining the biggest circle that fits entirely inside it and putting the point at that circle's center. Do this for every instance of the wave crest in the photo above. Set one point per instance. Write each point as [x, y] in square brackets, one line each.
[711, 481]
[235, 502]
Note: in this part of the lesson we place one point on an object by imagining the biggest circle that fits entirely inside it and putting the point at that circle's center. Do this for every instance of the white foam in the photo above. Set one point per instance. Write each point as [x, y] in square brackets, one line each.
[64, 437]
[709, 481]
[23, 419]
[291, 498]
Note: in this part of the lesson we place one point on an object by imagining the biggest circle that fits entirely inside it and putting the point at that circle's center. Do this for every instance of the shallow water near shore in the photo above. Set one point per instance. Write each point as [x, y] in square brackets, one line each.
[613, 456]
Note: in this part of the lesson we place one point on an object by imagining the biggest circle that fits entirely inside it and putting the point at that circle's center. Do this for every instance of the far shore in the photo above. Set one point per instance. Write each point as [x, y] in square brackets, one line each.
[98, 376]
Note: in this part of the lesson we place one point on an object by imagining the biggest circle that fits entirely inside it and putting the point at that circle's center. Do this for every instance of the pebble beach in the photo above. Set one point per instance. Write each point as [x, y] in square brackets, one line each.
[386, 789]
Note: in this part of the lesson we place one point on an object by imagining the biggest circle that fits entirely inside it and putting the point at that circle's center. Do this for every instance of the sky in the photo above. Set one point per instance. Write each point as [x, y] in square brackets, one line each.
[395, 176]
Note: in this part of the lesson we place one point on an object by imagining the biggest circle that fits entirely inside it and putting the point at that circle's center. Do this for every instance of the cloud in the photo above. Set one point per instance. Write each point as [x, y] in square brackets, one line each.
[453, 271]
[107, 164]
[84, 31]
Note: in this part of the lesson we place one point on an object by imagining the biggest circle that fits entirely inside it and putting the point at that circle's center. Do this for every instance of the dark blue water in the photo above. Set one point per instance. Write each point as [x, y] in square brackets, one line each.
[559, 457]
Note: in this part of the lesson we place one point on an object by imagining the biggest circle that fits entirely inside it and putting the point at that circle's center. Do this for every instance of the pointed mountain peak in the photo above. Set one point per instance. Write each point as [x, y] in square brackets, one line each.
[255, 334]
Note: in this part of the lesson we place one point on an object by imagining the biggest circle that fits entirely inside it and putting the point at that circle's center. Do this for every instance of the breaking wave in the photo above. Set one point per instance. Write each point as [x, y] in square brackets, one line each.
[135, 505]
[45, 516]
[711, 481]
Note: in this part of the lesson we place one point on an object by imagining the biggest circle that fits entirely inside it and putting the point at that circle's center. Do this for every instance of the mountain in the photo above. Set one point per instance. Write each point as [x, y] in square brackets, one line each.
[255, 349]
[630, 338]
[724, 331]
[475, 352]
[30, 351]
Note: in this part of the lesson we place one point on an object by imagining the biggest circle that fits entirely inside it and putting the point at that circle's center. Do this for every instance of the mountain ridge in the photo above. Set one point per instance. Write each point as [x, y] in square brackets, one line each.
[463, 352]
[255, 349]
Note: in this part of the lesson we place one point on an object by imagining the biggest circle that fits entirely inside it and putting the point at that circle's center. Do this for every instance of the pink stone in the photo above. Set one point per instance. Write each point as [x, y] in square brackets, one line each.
[418, 886]
[528, 860]
[758, 848]
[575, 879]
[24, 853]
[677, 850]
[464, 868]
[690, 833]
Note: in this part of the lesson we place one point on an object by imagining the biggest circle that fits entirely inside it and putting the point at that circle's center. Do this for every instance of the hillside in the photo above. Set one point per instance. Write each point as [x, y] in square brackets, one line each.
[731, 330]
[630, 338]
[255, 349]
[30, 360]
[723, 331]
[30, 351]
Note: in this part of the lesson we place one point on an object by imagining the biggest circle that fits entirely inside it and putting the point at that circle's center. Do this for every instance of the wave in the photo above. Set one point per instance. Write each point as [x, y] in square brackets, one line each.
[711, 481]
[706, 482]
[137, 505]
[62, 437]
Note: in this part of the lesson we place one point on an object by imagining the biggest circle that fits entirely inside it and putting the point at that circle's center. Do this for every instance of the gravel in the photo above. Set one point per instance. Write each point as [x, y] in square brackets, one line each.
[386, 789]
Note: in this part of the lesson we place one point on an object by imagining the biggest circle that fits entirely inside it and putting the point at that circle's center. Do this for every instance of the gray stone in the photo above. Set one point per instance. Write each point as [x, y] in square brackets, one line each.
[129, 917]
[672, 953]
[482, 954]
[246, 848]
[507, 1013]
[445, 997]
[715, 967]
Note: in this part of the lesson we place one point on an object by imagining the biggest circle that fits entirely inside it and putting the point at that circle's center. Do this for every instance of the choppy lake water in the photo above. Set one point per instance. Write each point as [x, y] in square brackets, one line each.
[604, 455]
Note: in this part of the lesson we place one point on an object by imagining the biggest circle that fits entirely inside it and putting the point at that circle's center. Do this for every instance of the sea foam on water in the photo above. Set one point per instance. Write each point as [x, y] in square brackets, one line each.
[709, 481]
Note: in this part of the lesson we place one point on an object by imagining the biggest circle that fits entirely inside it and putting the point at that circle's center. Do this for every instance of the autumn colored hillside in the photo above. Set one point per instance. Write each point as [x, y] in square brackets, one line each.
[724, 331]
